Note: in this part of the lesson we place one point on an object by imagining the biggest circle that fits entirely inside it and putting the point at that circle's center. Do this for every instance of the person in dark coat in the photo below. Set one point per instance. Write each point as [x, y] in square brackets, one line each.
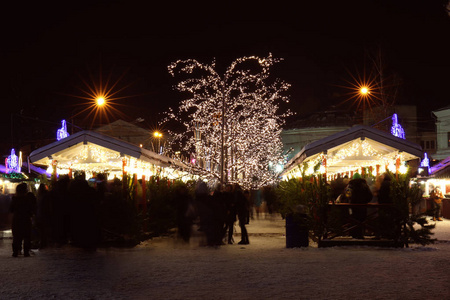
[43, 215]
[242, 211]
[84, 218]
[231, 212]
[360, 193]
[184, 218]
[23, 207]
[205, 211]
[385, 189]
[219, 214]
[60, 203]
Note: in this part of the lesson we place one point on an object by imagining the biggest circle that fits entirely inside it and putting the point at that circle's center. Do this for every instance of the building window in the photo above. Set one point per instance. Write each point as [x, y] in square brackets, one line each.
[427, 145]
[422, 144]
[448, 139]
[432, 145]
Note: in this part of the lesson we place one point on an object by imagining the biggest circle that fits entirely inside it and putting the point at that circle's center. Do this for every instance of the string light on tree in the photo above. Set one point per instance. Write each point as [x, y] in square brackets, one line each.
[231, 120]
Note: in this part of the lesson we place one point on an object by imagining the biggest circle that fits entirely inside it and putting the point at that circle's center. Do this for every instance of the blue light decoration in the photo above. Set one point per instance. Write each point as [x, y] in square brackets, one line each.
[13, 163]
[425, 163]
[62, 132]
[397, 129]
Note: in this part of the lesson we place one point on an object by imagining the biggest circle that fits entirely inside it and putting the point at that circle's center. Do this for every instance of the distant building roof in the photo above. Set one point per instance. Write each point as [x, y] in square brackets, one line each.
[327, 118]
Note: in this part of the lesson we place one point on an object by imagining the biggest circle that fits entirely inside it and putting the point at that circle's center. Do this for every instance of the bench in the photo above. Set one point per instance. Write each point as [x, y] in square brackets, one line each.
[358, 224]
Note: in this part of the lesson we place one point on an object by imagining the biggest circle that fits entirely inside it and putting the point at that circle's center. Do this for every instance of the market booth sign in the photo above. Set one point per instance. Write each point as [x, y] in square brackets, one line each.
[352, 150]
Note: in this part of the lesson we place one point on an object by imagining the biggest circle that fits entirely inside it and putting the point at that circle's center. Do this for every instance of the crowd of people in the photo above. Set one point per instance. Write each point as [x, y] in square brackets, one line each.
[359, 190]
[213, 213]
[67, 212]
[71, 212]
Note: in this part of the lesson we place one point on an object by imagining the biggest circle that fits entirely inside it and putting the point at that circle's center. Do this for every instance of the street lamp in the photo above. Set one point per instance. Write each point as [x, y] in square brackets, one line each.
[97, 103]
[364, 90]
[158, 135]
[100, 101]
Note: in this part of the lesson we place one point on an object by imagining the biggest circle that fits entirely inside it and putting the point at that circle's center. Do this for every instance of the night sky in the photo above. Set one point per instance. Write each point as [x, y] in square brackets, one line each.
[48, 50]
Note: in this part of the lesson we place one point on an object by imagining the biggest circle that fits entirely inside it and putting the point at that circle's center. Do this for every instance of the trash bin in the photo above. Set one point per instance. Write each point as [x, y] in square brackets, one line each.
[297, 233]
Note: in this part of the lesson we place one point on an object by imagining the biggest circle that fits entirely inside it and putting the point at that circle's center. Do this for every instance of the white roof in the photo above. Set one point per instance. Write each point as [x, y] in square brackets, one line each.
[67, 149]
[382, 145]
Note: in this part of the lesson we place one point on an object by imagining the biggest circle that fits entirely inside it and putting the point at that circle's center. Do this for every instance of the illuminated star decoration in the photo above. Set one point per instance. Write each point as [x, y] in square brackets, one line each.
[62, 132]
[397, 129]
[13, 163]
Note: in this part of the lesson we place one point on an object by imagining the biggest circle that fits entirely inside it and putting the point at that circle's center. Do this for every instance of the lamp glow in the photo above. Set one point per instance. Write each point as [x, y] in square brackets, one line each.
[364, 91]
[100, 101]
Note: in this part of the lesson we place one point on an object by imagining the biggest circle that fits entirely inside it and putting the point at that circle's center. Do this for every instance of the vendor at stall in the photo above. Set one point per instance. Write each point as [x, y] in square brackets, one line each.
[437, 196]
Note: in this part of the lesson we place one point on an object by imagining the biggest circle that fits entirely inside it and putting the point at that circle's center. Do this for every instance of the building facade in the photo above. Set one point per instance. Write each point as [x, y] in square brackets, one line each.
[442, 133]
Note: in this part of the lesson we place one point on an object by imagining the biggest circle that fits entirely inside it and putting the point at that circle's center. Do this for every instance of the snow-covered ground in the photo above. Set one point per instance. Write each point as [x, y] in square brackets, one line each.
[164, 268]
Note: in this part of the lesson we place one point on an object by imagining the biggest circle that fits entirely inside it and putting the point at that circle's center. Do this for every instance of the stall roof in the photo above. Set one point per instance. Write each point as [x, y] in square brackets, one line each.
[385, 145]
[68, 148]
[441, 169]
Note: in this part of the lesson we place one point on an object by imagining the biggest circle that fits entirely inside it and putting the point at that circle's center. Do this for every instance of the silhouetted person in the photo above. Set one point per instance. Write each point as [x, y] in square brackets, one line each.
[437, 196]
[249, 205]
[338, 187]
[360, 193]
[242, 210]
[385, 189]
[59, 199]
[184, 217]
[231, 212]
[23, 207]
[43, 215]
[270, 198]
[205, 210]
[84, 202]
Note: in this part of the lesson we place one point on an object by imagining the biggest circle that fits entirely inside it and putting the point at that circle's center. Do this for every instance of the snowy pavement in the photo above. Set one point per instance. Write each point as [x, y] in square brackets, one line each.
[164, 268]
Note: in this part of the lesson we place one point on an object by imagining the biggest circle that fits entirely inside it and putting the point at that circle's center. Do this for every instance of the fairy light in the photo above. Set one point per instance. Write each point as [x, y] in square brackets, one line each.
[361, 153]
[252, 124]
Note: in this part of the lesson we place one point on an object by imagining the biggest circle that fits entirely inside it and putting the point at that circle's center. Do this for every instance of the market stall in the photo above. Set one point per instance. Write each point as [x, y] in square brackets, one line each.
[437, 176]
[94, 153]
[360, 149]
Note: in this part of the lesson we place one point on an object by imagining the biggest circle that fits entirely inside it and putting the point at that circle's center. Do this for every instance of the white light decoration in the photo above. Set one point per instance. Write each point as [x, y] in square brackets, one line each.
[425, 163]
[62, 132]
[403, 169]
[244, 106]
[13, 163]
[397, 129]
